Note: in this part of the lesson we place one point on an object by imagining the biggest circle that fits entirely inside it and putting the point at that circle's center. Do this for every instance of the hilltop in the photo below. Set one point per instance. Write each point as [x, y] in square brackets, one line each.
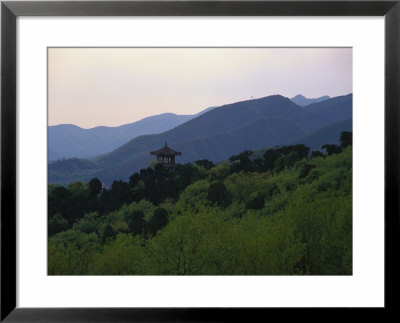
[302, 101]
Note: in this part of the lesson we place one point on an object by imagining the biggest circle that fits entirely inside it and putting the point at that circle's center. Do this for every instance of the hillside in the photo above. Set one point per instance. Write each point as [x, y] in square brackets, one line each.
[288, 213]
[336, 109]
[68, 141]
[326, 135]
[329, 134]
[215, 135]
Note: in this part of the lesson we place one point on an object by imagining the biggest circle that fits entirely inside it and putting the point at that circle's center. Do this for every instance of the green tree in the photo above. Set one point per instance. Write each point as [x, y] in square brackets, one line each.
[188, 244]
[257, 202]
[90, 222]
[316, 153]
[331, 149]
[95, 186]
[158, 220]
[58, 200]
[72, 253]
[205, 163]
[57, 224]
[241, 162]
[122, 256]
[134, 179]
[136, 223]
[217, 193]
[193, 196]
[108, 233]
[305, 170]
[346, 139]
[220, 171]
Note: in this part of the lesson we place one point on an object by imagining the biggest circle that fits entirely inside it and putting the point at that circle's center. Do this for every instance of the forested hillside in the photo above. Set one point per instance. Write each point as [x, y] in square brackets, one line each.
[287, 212]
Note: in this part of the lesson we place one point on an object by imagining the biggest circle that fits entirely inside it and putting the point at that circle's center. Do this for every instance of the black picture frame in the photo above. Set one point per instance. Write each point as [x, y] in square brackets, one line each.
[10, 10]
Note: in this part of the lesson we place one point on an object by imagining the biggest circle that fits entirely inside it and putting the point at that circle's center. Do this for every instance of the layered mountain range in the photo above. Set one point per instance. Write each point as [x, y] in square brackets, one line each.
[217, 134]
[68, 140]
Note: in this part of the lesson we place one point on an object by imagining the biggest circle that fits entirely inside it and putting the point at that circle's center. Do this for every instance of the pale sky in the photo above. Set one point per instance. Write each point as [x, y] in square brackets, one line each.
[92, 87]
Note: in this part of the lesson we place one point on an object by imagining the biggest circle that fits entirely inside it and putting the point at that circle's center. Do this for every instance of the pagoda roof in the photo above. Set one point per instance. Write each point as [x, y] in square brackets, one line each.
[166, 151]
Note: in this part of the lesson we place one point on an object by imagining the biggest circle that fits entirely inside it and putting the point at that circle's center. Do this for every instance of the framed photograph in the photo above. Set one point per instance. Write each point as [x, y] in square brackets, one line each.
[195, 160]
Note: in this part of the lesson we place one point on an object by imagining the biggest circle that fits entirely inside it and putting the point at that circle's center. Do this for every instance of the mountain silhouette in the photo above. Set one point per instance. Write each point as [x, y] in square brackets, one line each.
[336, 109]
[67, 140]
[329, 134]
[214, 135]
[302, 101]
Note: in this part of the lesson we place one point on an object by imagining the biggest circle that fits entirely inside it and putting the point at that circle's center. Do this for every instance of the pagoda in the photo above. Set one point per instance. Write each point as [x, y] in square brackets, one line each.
[166, 156]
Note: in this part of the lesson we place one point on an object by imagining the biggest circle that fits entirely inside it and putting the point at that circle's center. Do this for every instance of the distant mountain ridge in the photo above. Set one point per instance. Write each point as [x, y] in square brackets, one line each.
[329, 134]
[336, 109]
[302, 101]
[68, 141]
[214, 135]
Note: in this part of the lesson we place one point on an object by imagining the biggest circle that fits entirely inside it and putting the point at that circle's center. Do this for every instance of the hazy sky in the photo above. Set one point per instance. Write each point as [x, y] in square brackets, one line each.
[89, 87]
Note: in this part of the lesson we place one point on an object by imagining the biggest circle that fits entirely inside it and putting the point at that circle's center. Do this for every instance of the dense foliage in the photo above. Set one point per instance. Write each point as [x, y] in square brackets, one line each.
[287, 213]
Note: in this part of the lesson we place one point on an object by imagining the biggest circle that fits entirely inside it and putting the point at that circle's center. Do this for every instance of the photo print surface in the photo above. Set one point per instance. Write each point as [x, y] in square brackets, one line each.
[200, 161]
